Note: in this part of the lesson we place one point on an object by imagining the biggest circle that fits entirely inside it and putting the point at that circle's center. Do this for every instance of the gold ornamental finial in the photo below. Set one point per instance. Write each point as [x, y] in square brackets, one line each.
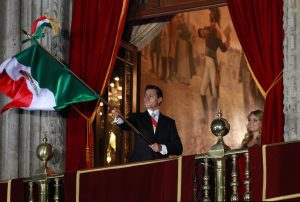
[219, 114]
[44, 152]
[219, 127]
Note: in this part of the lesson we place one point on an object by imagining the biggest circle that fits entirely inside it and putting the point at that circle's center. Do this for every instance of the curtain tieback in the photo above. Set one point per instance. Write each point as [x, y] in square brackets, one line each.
[275, 81]
[89, 120]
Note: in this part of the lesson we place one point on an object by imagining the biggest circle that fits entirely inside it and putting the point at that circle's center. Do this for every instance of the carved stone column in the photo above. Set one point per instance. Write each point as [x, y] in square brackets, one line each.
[291, 71]
[10, 45]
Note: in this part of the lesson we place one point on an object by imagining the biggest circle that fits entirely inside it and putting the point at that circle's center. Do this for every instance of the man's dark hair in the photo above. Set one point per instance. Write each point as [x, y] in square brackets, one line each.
[158, 90]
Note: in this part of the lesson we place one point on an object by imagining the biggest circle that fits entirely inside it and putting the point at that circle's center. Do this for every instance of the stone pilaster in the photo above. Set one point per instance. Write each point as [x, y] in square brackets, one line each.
[291, 72]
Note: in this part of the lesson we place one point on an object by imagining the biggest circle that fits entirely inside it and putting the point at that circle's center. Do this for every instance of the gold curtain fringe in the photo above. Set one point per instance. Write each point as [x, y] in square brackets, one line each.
[264, 93]
[255, 79]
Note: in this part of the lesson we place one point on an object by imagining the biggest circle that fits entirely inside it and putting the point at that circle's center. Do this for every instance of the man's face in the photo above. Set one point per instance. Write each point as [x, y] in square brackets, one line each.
[151, 100]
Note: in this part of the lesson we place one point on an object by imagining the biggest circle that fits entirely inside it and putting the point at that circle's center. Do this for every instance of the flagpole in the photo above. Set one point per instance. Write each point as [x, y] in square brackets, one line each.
[104, 101]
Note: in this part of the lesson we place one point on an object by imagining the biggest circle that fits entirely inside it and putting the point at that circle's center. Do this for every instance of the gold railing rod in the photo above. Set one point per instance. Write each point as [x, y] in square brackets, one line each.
[236, 151]
[202, 156]
[48, 177]
[56, 176]
[227, 153]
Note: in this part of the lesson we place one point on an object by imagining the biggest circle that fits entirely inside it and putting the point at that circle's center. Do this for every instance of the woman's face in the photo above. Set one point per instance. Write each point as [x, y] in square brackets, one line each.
[254, 124]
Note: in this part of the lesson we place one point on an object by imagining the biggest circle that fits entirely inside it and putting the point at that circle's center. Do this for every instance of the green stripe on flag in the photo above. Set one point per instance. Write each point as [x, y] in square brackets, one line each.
[55, 76]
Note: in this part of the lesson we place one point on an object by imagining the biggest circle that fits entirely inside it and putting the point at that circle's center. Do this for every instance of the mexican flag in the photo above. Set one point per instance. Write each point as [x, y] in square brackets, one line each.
[35, 80]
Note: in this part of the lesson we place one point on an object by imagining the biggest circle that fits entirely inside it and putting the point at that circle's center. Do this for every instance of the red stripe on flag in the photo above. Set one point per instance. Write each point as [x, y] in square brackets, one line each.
[17, 90]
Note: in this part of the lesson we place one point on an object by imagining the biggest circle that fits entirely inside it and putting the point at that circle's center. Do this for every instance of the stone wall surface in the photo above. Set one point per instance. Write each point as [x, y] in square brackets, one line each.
[291, 71]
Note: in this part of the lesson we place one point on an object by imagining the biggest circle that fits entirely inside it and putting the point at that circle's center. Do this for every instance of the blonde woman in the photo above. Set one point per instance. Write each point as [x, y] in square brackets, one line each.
[253, 136]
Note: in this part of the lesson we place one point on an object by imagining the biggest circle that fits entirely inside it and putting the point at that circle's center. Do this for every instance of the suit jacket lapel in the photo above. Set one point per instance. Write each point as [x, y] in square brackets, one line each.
[147, 119]
[159, 123]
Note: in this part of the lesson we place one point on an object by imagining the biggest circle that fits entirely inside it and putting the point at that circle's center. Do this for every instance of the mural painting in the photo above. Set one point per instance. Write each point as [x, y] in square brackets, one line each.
[198, 62]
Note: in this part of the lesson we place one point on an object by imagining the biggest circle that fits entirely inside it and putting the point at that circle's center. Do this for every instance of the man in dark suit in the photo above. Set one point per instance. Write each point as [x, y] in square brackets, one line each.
[159, 129]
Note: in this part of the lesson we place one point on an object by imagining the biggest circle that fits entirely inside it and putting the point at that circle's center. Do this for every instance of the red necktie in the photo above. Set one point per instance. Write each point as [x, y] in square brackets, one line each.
[154, 122]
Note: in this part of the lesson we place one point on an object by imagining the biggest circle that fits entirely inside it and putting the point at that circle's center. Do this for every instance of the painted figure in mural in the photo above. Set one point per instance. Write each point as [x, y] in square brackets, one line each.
[168, 39]
[253, 135]
[155, 126]
[198, 51]
[155, 54]
[165, 45]
[214, 39]
[172, 48]
[185, 67]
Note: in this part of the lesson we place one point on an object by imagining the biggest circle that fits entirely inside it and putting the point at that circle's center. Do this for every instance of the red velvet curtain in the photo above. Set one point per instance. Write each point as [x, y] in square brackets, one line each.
[259, 26]
[97, 27]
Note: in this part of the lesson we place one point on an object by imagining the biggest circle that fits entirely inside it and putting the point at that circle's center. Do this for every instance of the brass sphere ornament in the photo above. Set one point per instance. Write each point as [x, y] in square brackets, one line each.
[45, 151]
[219, 127]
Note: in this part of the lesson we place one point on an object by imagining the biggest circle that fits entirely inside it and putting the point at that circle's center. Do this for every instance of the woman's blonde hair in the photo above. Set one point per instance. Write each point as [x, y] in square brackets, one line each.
[248, 136]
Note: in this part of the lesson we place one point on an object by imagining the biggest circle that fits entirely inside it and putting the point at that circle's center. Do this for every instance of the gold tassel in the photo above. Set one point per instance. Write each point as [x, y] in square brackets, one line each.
[89, 153]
